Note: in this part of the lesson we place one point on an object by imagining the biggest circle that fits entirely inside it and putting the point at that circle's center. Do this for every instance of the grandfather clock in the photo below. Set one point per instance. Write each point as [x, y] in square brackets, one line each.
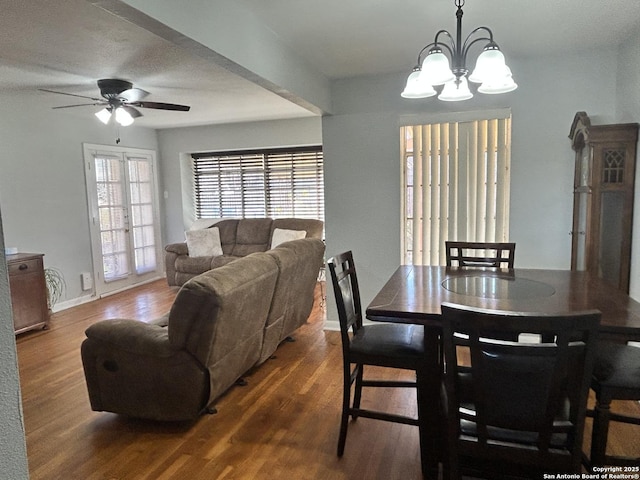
[605, 158]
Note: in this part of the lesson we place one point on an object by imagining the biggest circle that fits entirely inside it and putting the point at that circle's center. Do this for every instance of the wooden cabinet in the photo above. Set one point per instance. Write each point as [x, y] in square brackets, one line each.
[28, 291]
[605, 162]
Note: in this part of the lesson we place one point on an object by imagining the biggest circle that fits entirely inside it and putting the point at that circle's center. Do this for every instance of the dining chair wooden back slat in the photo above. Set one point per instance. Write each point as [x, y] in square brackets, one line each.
[480, 254]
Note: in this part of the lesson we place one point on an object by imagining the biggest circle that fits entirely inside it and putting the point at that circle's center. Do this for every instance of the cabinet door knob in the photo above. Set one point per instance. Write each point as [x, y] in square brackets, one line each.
[23, 266]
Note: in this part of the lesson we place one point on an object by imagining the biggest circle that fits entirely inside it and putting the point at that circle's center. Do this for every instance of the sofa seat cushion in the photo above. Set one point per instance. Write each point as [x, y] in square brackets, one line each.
[193, 265]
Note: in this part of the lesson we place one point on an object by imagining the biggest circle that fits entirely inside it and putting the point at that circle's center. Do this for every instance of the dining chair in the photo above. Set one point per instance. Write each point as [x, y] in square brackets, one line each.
[480, 254]
[381, 344]
[515, 409]
[616, 376]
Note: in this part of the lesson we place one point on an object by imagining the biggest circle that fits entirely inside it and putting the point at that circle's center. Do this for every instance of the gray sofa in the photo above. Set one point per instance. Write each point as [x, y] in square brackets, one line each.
[238, 238]
[222, 323]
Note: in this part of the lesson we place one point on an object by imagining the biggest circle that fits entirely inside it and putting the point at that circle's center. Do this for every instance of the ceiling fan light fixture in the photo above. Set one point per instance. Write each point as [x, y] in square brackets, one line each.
[104, 115]
[123, 117]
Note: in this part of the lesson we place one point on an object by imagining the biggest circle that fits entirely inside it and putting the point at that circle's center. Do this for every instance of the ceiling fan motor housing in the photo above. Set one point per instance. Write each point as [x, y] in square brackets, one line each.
[112, 87]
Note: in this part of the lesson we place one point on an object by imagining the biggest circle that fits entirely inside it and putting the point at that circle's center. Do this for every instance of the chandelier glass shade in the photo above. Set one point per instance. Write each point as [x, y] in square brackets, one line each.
[455, 91]
[435, 68]
[416, 88]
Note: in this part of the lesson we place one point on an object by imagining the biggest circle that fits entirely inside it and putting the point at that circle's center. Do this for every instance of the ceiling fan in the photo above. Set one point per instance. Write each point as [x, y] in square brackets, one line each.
[120, 100]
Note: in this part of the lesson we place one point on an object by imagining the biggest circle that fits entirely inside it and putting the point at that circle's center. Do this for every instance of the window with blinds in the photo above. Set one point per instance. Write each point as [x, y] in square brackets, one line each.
[272, 183]
[455, 185]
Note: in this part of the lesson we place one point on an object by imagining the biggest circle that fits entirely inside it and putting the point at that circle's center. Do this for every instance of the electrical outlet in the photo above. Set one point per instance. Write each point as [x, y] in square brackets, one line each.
[86, 280]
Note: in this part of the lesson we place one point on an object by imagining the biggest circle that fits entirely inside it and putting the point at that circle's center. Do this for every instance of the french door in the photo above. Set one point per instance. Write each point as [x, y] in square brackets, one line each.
[123, 212]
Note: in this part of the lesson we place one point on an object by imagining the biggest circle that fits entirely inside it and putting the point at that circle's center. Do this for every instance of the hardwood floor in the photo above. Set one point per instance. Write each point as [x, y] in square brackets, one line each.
[283, 424]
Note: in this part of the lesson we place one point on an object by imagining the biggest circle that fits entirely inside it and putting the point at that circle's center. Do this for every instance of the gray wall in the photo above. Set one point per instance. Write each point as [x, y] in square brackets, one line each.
[628, 110]
[42, 185]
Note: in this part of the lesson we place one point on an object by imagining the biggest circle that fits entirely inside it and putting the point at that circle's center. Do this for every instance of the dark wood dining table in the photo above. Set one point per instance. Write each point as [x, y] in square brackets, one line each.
[414, 294]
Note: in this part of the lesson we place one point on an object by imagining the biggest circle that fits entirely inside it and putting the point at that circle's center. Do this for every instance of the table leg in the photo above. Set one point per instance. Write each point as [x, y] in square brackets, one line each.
[429, 409]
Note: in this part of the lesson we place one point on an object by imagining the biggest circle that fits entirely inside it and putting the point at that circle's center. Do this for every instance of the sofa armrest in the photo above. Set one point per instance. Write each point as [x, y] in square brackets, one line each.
[132, 336]
[178, 248]
[130, 368]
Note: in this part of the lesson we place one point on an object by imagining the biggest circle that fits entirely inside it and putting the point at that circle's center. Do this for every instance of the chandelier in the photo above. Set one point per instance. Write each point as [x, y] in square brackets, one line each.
[491, 71]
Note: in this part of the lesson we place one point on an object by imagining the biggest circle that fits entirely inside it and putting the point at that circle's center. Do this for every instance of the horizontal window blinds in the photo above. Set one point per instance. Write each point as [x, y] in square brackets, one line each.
[269, 183]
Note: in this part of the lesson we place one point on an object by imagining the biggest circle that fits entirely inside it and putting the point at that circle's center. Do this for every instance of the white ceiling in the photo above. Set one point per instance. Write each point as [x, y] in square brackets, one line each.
[67, 45]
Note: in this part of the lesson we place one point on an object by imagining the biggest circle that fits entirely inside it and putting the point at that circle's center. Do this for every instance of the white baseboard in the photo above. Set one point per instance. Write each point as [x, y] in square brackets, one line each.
[74, 302]
[129, 287]
[332, 325]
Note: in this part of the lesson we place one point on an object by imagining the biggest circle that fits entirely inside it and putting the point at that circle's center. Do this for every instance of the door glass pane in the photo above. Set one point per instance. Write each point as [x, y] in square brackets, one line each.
[135, 193]
[112, 218]
[146, 214]
[115, 266]
[142, 215]
[109, 193]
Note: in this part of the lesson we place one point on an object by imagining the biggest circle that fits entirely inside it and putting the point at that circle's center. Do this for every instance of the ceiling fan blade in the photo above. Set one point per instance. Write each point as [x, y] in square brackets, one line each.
[134, 112]
[71, 94]
[80, 105]
[132, 95]
[163, 106]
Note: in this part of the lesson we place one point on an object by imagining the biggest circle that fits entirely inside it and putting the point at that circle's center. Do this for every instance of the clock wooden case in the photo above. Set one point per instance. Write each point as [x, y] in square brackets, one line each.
[603, 191]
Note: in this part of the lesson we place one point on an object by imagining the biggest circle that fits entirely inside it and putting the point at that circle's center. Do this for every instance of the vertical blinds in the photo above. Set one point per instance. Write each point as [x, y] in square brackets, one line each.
[456, 186]
[266, 183]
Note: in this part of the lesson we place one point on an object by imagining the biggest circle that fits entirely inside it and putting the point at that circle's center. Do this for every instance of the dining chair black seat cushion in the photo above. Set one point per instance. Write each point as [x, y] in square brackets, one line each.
[506, 436]
[390, 344]
[617, 369]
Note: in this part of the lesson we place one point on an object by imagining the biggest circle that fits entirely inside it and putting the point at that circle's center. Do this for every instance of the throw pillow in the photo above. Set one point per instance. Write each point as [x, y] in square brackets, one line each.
[204, 243]
[281, 235]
